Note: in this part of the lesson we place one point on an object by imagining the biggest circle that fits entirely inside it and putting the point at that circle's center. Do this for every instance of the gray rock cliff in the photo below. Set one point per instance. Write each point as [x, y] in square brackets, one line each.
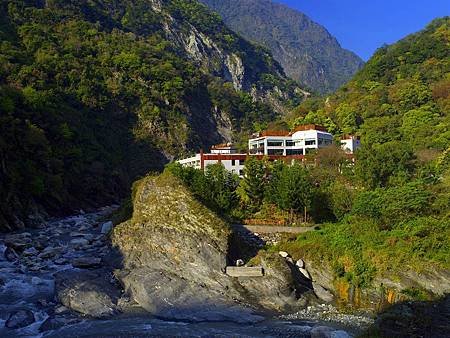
[174, 253]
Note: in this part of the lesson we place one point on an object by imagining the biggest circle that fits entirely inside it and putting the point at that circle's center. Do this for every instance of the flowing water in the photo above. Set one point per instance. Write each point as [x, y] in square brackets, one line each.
[27, 284]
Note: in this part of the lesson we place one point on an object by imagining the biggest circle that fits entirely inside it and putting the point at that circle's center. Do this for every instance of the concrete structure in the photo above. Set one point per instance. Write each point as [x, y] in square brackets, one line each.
[193, 162]
[350, 143]
[226, 148]
[234, 163]
[274, 145]
[222, 153]
[244, 271]
[301, 141]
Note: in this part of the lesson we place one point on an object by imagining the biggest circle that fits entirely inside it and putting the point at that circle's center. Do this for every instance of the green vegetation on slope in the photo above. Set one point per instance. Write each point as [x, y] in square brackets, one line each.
[94, 94]
[365, 233]
[399, 104]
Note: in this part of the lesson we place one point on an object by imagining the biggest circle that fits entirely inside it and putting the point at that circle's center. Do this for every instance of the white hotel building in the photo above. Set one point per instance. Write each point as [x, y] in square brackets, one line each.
[300, 142]
[274, 145]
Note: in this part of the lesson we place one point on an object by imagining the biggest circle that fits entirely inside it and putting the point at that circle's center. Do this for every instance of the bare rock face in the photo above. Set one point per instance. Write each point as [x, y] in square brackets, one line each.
[87, 292]
[174, 253]
[87, 262]
[384, 291]
[20, 319]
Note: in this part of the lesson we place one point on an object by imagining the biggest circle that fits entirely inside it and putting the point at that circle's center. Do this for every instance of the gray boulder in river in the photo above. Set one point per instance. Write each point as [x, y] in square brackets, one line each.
[87, 292]
[174, 254]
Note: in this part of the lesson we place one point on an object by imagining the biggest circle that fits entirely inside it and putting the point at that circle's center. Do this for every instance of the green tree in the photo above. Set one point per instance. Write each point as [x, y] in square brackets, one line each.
[341, 198]
[379, 165]
[294, 190]
[391, 205]
[418, 127]
[252, 187]
[222, 188]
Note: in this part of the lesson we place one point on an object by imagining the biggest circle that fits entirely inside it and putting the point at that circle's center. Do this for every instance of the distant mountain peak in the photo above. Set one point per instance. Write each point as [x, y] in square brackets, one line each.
[305, 49]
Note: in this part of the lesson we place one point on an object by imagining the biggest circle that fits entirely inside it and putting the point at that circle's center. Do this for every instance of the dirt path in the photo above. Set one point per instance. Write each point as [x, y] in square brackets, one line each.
[269, 229]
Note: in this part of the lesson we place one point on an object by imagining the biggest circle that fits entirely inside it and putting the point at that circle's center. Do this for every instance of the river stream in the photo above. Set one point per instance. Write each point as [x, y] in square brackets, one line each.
[29, 307]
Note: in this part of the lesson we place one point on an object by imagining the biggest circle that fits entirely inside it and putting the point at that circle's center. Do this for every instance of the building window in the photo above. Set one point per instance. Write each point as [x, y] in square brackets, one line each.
[241, 162]
[233, 162]
[273, 143]
[324, 141]
[310, 142]
[290, 143]
[275, 151]
[294, 152]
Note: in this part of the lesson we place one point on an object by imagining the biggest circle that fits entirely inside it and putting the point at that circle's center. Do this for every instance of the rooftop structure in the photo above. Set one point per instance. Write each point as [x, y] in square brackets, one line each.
[225, 148]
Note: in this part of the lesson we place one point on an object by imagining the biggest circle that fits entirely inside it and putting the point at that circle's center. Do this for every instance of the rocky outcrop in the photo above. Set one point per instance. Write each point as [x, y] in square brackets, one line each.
[174, 253]
[88, 292]
[384, 291]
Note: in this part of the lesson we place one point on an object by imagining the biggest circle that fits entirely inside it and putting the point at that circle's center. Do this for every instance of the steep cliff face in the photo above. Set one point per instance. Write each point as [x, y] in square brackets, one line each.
[174, 252]
[308, 53]
[202, 35]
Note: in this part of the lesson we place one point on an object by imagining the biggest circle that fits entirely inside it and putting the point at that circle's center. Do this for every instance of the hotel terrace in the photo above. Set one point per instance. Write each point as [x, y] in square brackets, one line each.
[274, 145]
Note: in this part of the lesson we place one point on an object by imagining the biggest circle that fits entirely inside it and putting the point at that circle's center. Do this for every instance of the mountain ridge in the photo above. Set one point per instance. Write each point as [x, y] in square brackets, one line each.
[307, 51]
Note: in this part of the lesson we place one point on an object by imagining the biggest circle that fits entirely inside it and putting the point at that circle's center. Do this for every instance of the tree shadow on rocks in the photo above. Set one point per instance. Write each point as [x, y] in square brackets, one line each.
[413, 319]
[242, 244]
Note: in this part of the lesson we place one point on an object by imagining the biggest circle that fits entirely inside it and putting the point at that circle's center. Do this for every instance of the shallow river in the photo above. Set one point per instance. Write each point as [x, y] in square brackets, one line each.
[27, 284]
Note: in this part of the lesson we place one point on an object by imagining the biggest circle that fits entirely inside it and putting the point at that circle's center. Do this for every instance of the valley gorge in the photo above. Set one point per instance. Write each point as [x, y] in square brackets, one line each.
[124, 94]
[103, 232]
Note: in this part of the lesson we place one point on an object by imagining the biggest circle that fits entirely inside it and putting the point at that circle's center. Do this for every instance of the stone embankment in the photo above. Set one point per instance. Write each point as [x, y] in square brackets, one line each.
[273, 229]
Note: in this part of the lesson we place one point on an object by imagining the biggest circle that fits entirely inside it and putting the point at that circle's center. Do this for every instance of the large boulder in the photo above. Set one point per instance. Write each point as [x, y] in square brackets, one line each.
[20, 319]
[88, 292]
[328, 332]
[174, 254]
[106, 227]
[18, 242]
[87, 262]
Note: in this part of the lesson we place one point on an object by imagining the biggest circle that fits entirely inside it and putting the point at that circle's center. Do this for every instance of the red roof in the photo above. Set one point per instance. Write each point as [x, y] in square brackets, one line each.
[288, 133]
[274, 133]
[309, 127]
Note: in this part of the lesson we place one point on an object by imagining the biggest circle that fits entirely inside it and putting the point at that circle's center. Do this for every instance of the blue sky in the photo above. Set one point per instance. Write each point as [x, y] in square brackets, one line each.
[364, 25]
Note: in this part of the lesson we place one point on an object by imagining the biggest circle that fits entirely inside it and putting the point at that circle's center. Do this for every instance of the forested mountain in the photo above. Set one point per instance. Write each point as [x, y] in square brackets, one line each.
[399, 104]
[306, 50]
[93, 94]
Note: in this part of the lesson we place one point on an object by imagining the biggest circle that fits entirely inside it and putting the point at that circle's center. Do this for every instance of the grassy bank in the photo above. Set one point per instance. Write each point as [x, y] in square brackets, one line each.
[358, 250]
